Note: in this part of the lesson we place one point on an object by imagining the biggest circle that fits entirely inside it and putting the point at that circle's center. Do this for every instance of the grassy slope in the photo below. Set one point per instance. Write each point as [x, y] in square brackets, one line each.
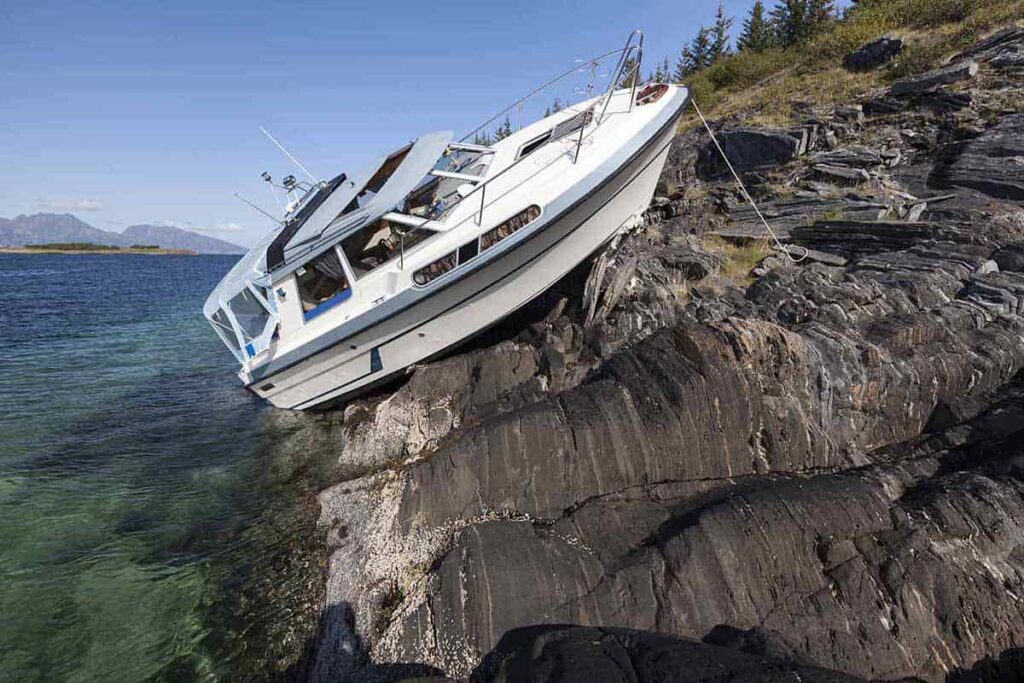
[764, 85]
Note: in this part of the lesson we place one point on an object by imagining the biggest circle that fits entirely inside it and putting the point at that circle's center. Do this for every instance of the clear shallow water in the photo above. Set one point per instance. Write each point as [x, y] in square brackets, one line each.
[155, 518]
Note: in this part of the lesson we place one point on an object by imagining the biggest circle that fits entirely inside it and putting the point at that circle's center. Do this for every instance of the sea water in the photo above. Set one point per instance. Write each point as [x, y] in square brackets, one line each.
[156, 520]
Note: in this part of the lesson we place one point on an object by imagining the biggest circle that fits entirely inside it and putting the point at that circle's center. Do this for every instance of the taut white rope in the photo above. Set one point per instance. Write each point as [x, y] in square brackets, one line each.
[743, 188]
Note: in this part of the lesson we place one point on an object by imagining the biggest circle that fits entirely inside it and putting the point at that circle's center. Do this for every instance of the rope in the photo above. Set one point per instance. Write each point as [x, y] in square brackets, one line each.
[746, 195]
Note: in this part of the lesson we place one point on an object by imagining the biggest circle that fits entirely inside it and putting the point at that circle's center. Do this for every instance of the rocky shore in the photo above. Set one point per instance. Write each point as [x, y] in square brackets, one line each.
[811, 470]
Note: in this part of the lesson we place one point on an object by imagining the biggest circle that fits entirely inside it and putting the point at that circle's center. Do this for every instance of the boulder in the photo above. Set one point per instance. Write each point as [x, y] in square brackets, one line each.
[843, 174]
[855, 155]
[1009, 38]
[992, 163]
[748, 149]
[880, 106]
[955, 73]
[1010, 257]
[873, 54]
[850, 112]
[580, 654]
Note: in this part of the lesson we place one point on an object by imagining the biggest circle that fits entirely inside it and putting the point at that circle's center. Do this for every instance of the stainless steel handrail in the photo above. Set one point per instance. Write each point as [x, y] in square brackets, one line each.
[617, 76]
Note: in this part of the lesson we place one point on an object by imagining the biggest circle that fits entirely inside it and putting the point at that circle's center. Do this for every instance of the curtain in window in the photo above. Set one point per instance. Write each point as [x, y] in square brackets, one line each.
[329, 264]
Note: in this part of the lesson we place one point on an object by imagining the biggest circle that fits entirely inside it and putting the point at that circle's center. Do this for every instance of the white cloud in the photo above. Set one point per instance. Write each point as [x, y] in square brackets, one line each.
[70, 204]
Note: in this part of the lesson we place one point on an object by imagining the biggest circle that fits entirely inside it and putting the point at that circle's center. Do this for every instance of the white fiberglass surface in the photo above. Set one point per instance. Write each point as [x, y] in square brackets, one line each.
[548, 178]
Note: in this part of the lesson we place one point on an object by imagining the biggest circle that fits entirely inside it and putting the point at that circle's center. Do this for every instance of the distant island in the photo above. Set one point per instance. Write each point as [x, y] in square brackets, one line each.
[93, 248]
[70, 234]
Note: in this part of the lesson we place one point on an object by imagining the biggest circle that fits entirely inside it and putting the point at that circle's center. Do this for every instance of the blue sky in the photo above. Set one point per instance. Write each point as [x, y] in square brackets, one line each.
[147, 112]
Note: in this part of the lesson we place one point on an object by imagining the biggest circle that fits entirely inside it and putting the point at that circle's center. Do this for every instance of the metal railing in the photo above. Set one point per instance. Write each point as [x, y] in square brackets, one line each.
[623, 70]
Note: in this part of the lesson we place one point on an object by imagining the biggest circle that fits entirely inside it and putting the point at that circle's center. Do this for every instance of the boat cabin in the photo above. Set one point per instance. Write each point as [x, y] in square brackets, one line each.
[338, 235]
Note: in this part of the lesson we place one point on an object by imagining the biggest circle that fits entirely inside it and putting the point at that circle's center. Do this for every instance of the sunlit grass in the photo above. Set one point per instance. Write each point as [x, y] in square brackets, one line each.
[768, 82]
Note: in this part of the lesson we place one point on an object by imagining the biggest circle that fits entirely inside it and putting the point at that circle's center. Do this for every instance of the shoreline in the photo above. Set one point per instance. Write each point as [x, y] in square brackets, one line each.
[149, 252]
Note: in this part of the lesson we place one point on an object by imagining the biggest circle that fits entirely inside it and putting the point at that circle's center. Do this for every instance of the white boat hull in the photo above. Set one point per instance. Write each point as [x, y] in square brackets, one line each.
[477, 301]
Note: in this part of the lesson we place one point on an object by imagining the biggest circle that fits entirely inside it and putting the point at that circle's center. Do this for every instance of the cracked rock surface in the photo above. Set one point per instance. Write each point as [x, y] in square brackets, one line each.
[820, 468]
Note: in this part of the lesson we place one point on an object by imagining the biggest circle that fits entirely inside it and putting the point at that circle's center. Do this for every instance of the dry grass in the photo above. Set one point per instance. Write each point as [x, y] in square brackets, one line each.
[769, 82]
[740, 259]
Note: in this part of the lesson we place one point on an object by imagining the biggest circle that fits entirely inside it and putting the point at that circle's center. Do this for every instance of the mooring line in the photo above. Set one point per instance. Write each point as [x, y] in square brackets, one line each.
[743, 188]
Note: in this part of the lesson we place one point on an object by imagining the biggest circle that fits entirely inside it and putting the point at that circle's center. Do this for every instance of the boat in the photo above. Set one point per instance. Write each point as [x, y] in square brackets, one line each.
[367, 276]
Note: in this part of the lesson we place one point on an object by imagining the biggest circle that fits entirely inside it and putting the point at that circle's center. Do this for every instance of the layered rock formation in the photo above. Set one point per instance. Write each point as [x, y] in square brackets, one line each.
[821, 468]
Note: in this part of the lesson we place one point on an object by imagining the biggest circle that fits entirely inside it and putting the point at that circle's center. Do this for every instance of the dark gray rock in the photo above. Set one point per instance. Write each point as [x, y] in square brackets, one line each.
[873, 54]
[955, 73]
[580, 654]
[992, 163]
[821, 468]
[944, 101]
[748, 149]
[1006, 38]
[881, 106]
[858, 156]
[850, 112]
[1011, 257]
[842, 174]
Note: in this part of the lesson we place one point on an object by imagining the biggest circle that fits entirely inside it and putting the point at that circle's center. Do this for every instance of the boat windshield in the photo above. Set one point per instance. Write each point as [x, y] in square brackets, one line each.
[247, 323]
[434, 197]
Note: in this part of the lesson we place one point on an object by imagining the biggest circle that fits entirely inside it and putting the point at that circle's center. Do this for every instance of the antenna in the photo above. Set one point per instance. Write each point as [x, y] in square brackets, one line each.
[270, 181]
[243, 199]
[289, 155]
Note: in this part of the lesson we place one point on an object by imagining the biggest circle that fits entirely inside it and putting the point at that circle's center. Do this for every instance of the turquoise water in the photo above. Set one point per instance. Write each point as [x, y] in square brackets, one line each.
[156, 521]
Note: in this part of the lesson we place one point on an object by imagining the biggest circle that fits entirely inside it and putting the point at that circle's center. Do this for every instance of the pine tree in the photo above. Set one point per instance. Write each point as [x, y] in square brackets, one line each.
[627, 73]
[720, 34]
[557, 105]
[757, 32]
[661, 74]
[788, 20]
[820, 12]
[797, 20]
[504, 130]
[695, 56]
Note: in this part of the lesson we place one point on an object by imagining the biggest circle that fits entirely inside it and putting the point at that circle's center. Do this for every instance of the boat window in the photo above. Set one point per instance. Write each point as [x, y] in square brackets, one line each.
[435, 269]
[566, 127]
[533, 145]
[322, 284]
[374, 245]
[469, 250]
[507, 228]
[250, 314]
[223, 327]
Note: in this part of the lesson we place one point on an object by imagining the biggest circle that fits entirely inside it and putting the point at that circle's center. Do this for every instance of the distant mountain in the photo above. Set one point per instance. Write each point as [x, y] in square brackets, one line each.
[176, 238]
[50, 227]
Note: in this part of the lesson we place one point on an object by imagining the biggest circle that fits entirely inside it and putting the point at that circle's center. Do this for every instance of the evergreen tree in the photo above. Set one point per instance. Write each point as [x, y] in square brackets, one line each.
[757, 32]
[504, 130]
[797, 20]
[788, 20]
[627, 73]
[719, 34]
[697, 55]
[662, 73]
[820, 12]
[557, 105]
